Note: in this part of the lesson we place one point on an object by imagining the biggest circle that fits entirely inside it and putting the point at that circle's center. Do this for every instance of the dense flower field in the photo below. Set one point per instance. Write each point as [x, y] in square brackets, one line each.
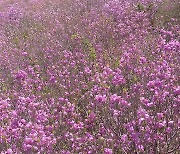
[89, 76]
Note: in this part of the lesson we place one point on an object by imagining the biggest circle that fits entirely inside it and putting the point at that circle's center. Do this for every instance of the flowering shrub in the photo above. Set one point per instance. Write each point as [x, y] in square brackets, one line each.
[88, 77]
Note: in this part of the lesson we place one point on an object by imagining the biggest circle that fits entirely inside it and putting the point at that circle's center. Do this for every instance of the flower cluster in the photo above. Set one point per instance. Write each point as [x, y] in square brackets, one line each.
[88, 77]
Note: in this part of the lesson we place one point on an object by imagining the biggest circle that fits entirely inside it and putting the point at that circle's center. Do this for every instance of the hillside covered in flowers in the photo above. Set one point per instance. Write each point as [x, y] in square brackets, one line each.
[89, 76]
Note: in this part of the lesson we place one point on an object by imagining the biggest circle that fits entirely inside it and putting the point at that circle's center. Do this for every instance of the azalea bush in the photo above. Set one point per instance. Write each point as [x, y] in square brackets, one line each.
[90, 76]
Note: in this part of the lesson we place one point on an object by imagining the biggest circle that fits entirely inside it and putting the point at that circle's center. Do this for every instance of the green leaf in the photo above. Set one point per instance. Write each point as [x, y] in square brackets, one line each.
[92, 54]
[16, 40]
[140, 7]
